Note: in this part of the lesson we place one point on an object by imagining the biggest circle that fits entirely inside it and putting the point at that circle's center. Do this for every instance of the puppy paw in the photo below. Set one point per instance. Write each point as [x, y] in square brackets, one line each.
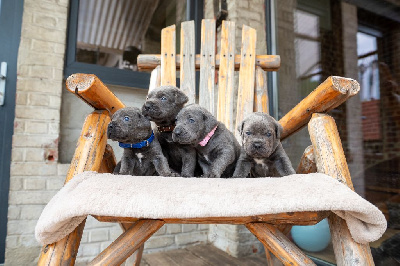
[211, 175]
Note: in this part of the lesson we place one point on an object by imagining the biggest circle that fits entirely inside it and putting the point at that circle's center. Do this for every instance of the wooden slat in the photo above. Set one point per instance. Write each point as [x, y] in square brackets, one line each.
[298, 218]
[245, 101]
[168, 67]
[226, 82]
[155, 78]
[276, 242]
[127, 243]
[187, 69]
[147, 62]
[330, 160]
[261, 92]
[307, 163]
[207, 65]
[88, 157]
[328, 95]
[91, 90]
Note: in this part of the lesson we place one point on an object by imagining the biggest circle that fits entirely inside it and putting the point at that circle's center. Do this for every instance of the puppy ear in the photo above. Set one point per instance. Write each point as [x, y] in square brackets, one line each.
[180, 97]
[278, 129]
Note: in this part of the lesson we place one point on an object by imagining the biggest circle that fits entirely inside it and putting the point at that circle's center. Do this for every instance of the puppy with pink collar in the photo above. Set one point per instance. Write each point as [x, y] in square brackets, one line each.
[217, 148]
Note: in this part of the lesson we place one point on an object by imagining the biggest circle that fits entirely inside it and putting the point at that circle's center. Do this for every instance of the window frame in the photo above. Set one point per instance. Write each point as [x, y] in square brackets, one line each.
[111, 75]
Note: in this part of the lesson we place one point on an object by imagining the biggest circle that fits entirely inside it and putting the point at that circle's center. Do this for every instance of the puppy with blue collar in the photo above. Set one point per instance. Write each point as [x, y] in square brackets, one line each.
[142, 152]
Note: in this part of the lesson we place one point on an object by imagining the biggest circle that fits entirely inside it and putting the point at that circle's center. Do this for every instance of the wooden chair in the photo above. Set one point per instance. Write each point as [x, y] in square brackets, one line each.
[325, 155]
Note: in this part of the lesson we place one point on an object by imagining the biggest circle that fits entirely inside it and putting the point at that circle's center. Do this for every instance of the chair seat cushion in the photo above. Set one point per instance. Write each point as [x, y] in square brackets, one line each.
[157, 197]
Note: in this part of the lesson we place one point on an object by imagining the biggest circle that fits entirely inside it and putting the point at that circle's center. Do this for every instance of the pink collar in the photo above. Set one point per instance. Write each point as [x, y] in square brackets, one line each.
[208, 137]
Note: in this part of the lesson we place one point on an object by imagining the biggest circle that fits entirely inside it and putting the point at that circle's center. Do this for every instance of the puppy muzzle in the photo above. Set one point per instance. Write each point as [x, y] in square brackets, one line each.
[180, 135]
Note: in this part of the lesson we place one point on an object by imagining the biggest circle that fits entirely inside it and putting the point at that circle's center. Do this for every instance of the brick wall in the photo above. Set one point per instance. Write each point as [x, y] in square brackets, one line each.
[34, 169]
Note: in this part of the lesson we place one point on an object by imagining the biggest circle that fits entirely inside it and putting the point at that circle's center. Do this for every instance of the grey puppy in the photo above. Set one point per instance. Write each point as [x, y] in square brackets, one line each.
[162, 106]
[142, 152]
[262, 153]
[217, 148]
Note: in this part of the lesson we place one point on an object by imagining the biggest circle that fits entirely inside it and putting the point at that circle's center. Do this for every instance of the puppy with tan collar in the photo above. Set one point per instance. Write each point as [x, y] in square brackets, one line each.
[217, 148]
[262, 153]
[162, 106]
[142, 153]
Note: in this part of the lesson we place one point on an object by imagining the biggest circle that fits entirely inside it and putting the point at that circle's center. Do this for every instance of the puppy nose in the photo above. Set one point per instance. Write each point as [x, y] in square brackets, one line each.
[110, 125]
[257, 145]
[177, 131]
[147, 106]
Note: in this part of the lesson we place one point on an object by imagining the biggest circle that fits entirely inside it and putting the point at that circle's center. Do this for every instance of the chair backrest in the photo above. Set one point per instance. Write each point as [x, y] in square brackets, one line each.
[221, 99]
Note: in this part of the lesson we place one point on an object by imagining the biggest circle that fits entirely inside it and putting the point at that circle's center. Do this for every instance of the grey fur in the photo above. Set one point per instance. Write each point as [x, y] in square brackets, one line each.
[262, 153]
[217, 158]
[145, 161]
[162, 106]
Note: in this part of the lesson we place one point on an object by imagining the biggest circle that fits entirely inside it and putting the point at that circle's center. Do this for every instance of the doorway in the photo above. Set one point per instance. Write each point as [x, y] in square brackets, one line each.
[10, 32]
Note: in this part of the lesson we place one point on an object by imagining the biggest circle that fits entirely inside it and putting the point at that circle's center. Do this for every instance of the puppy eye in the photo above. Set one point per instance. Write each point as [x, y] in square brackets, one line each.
[268, 134]
[163, 98]
[191, 120]
[126, 118]
[248, 133]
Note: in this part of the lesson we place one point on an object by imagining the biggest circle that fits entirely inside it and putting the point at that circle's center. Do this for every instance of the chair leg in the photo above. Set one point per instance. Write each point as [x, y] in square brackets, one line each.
[330, 160]
[64, 251]
[88, 157]
[135, 258]
[127, 243]
[276, 242]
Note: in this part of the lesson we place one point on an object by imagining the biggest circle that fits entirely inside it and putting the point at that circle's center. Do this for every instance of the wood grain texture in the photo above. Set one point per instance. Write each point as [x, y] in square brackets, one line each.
[127, 243]
[307, 163]
[91, 144]
[330, 160]
[245, 100]
[63, 252]
[109, 161]
[147, 62]
[187, 67]
[155, 78]
[91, 90]
[276, 242]
[226, 81]
[327, 96]
[261, 92]
[207, 66]
[168, 52]
[88, 157]
[298, 218]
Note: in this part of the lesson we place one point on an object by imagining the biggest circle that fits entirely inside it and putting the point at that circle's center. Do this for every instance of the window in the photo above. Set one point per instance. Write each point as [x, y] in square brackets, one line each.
[106, 36]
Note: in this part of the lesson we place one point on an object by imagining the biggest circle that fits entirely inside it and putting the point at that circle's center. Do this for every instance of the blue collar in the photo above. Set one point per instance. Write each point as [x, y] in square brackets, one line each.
[139, 145]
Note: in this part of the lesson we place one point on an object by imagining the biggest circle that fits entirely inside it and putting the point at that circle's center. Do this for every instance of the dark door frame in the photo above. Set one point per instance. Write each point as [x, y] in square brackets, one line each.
[10, 33]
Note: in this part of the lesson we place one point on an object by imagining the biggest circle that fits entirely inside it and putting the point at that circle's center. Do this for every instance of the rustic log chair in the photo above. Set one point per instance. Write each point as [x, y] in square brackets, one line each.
[325, 155]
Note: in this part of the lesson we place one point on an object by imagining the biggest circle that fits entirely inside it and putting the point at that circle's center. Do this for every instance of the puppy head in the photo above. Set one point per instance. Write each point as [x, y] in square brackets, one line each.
[260, 134]
[128, 125]
[164, 103]
[193, 123]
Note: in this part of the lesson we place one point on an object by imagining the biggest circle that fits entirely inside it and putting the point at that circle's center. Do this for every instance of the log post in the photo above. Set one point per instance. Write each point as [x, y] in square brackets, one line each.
[88, 157]
[307, 162]
[330, 160]
[91, 90]
[127, 243]
[276, 242]
[327, 96]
